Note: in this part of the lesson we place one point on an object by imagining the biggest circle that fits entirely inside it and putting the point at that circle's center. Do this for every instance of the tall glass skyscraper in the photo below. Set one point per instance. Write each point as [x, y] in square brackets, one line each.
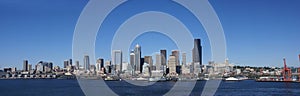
[132, 62]
[117, 59]
[86, 62]
[197, 53]
[25, 65]
[137, 58]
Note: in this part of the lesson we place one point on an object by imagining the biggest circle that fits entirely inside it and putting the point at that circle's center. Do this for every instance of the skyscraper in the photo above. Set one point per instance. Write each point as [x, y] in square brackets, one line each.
[163, 58]
[132, 62]
[108, 66]
[77, 65]
[70, 62]
[197, 53]
[172, 65]
[137, 58]
[66, 63]
[100, 64]
[86, 62]
[141, 64]
[176, 54]
[25, 65]
[158, 61]
[183, 58]
[117, 59]
[148, 60]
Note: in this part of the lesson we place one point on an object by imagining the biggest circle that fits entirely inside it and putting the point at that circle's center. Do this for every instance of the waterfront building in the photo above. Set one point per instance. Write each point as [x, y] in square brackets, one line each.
[117, 59]
[86, 62]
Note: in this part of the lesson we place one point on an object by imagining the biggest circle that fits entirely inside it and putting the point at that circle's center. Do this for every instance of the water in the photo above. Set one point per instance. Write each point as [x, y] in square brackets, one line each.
[54, 87]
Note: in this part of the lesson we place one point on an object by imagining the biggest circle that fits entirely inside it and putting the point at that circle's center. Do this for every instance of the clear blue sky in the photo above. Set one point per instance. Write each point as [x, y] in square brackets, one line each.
[258, 32]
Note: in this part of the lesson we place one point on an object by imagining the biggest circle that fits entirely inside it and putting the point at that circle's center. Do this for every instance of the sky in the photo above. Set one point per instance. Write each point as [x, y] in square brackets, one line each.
[257, 32]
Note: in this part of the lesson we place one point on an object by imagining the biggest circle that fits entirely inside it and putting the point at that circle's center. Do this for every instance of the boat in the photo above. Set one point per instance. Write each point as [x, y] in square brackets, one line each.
[232, 79]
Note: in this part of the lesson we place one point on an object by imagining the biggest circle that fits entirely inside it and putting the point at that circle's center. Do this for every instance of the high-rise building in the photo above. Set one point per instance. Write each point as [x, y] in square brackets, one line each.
[148, 60]
[66, 63]
[77, 65]
[108, 66]
[86, 62]
[176, 54]
[197, 53]
[141, 65]
[132, 61]
[158, 61]
[99, 64]
[117, 59]
[25, 65]
[163, 58]
[70, 62]
[29, 67]
[183, 58]
[172, 65]
[137, 58]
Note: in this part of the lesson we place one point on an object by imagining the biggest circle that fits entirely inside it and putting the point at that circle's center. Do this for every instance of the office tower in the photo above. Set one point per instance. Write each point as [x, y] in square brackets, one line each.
[158, 61]
[117, 59]
[197, 53]
[141, 65]
[70, 62]
[29, 67]
[108, 66]
[132, 62]
[148, 60]
[172, 65]
[86, 62]
[163, 58]
[77, 65]
[25, 65]
[183, 58]
[99, 64]
[137, 58]
[176, 54]
[66, 62]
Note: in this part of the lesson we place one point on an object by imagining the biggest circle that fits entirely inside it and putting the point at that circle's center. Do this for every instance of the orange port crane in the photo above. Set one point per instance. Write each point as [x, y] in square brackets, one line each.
[287, 74]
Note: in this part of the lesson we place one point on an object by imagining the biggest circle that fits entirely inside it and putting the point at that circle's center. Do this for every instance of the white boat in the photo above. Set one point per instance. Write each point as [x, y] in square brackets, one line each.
[232, 79]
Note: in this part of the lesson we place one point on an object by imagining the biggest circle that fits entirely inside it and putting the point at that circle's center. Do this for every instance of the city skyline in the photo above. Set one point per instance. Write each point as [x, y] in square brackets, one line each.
[42, 31]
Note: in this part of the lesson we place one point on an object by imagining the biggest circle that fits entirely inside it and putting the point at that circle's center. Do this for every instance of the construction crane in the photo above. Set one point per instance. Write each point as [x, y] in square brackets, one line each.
[287, 74]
